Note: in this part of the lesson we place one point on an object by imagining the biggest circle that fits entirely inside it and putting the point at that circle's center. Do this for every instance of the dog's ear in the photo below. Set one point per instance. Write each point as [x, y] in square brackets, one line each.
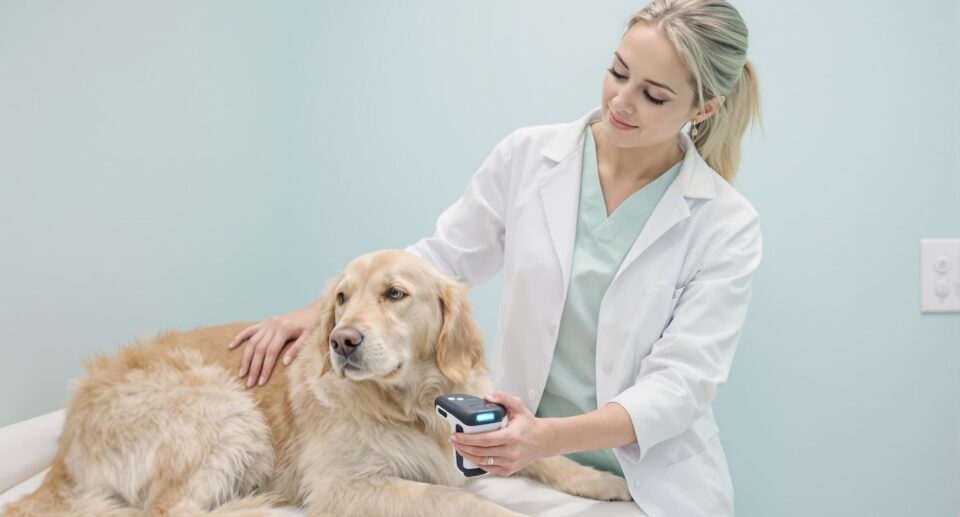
[319, 336]
[460, 343]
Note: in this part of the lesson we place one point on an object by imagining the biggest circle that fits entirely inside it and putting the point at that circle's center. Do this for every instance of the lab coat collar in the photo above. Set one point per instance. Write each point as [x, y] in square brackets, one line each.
[695, 178]
[560, 187]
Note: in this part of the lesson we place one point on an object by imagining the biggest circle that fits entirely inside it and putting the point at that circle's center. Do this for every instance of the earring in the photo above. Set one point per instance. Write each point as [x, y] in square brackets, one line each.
[693, 128]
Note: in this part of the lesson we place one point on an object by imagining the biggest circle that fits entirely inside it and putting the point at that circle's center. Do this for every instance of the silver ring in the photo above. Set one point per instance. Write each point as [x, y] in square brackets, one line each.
[489, 461]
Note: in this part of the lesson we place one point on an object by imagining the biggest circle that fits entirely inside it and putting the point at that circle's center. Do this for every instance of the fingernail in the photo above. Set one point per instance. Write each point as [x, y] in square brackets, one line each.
[242, 371]
[263, 379]
[286, 359]
[250, 382]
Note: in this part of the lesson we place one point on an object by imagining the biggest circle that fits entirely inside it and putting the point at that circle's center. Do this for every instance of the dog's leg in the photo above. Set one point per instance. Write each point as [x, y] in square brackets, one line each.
[393, 496]
[251, 506]
[568, 476]
[188, 483]
[57, 496]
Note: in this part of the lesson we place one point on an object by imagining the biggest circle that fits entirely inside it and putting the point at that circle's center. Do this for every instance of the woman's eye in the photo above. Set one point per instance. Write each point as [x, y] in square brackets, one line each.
[341, 298]
[654, 100]
[621, 77]
[395, 294]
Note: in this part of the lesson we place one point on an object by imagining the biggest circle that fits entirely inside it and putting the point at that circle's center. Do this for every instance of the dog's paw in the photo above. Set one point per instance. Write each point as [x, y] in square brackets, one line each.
[602, 487]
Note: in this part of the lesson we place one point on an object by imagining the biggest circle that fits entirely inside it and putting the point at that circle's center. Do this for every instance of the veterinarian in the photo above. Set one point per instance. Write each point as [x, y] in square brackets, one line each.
[627, 260]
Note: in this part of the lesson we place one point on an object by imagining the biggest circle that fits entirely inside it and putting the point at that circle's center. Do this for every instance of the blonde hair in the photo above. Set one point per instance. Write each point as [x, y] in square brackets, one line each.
[711, 40]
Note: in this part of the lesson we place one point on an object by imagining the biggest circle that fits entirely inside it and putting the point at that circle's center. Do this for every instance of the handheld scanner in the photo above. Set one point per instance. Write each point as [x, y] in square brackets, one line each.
[469, 414]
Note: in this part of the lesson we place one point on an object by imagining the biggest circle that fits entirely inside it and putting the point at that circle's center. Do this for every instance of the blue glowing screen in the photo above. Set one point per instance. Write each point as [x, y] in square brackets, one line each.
[485, 417]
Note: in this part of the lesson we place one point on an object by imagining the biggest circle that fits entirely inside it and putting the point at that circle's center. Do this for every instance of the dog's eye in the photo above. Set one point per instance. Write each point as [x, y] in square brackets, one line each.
[341, 298]
[394, 294]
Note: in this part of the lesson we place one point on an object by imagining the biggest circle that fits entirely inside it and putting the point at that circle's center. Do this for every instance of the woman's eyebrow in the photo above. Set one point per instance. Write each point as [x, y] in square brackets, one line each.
[651, 81]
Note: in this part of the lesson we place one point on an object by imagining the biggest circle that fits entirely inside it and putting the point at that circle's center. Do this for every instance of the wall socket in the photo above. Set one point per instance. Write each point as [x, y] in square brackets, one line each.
[940, 275]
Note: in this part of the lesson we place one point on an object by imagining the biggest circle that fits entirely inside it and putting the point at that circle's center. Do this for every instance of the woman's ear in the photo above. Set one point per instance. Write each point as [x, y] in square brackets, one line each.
[319, 334]
[460, 343]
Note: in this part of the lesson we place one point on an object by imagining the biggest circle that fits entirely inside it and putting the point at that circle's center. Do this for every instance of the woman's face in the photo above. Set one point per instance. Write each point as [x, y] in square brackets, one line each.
[648, 88]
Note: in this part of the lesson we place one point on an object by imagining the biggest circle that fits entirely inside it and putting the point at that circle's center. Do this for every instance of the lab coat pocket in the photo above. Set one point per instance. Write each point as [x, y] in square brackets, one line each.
[702, 481]
[707, 454]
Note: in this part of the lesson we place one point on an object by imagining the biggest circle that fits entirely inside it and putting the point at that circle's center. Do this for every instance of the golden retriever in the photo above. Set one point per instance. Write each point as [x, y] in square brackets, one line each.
[168, 428]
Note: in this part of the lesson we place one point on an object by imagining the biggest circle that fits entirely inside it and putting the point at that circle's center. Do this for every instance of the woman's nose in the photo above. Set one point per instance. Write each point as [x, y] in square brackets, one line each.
[621, 107]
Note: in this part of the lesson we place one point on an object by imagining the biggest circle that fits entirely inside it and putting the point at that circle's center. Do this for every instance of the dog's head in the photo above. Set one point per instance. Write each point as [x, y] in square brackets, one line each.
[389, 314]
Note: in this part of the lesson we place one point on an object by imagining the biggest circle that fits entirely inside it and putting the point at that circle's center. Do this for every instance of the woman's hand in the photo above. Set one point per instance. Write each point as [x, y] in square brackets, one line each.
[266, 340]
[525, 439]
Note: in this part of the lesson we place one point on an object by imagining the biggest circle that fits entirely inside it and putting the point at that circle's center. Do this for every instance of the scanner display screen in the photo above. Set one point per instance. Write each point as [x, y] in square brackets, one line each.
[485, 417]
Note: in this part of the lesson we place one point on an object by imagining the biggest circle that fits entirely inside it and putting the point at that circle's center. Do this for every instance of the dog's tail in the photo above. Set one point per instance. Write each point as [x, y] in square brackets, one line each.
[55, 497]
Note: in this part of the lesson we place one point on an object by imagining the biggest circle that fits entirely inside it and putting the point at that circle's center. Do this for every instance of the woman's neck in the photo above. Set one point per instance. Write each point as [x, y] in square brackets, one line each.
[639, 165]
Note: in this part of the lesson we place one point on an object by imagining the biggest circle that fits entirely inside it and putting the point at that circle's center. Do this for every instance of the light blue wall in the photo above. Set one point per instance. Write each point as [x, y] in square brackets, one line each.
[181, 163]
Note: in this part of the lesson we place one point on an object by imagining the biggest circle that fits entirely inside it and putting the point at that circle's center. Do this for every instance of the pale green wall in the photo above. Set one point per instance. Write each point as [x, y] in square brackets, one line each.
[184, 163]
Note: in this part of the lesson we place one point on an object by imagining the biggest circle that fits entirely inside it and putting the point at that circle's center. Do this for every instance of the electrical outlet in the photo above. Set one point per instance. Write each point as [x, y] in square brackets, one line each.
[940, 275]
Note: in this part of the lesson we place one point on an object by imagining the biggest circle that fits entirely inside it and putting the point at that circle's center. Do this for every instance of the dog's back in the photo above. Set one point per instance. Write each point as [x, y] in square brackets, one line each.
[167, 428]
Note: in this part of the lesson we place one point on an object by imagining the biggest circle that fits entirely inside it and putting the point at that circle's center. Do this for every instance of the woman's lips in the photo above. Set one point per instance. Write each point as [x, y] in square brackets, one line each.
[618, 124]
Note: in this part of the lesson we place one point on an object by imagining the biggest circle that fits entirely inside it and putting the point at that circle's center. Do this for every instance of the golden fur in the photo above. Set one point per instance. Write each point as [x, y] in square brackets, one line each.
[168, 428]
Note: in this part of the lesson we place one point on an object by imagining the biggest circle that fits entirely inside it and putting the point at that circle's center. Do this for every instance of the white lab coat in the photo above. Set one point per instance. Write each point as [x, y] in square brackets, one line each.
[669, 322]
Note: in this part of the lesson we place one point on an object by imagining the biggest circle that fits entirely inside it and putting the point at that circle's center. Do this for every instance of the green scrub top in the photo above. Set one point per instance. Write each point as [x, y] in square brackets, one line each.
[601, 244]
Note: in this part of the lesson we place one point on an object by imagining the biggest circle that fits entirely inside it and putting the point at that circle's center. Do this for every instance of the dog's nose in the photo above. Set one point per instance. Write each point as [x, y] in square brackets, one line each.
[345, 340]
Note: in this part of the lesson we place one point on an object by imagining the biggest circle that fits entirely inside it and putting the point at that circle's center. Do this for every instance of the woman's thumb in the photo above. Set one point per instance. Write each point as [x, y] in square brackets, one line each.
[512, 404]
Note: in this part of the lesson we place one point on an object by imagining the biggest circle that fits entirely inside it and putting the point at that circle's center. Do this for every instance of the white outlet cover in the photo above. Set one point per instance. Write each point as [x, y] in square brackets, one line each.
[940, 275]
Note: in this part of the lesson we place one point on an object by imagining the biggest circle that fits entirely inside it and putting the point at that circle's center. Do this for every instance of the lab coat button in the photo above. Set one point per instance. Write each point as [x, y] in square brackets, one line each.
[552, 329]
[532, 395]
[637, 483]
[607, 367]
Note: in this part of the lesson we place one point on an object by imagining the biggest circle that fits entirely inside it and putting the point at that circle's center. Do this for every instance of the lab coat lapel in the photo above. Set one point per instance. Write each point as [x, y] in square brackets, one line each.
[693, 181]
[560, 189]
[671, 209]
[560, 193]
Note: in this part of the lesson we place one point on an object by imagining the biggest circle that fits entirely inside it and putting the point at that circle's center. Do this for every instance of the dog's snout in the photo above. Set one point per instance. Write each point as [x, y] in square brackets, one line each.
[345, 340]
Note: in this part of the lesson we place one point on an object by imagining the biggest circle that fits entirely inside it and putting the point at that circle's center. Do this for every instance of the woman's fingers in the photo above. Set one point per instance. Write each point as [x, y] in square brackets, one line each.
[249, 350]
[482, 452]
[503, 436]
[294, 349]
[273, 350]
[258, 356]
[247, 332]
[264, 343]
[501, 466]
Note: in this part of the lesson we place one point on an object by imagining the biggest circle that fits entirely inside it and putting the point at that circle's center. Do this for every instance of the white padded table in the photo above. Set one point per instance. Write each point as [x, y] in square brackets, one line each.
[28, 447]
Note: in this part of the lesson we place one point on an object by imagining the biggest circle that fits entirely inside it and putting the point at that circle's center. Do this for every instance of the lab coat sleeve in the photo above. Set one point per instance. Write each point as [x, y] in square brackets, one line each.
[469, 237]
[678, 380]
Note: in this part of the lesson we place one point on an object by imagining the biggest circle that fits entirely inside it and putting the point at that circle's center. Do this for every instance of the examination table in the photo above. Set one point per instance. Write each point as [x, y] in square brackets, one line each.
[28, 447]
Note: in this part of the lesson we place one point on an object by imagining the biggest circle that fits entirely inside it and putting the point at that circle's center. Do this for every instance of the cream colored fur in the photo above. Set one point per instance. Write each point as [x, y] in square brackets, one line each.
[167, 428]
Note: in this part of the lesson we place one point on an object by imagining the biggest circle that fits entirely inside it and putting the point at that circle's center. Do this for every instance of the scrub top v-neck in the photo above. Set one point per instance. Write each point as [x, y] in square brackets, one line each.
[601, 244]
